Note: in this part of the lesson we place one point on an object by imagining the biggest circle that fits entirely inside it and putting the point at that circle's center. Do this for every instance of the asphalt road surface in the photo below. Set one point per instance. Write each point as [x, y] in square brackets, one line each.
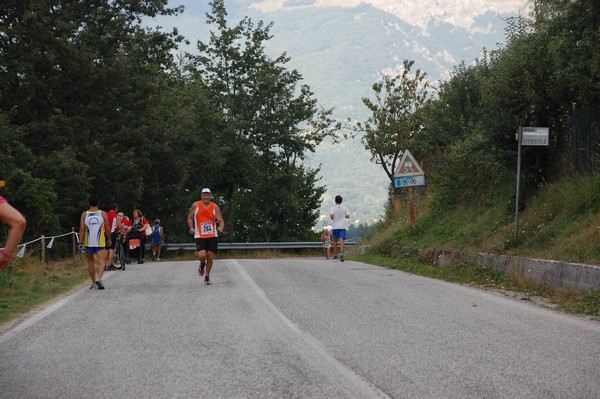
[295, 328]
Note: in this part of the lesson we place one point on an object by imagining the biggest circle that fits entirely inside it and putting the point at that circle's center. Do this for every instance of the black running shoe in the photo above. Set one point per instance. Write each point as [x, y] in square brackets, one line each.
[201, 268]
[99, 284]
[207, 280]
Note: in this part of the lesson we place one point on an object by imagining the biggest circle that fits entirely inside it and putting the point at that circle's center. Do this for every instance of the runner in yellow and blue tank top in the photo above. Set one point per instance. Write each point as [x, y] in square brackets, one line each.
[94, 233]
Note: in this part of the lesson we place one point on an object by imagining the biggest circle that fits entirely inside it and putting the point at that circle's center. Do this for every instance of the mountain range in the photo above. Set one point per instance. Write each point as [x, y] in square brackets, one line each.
[342, 47]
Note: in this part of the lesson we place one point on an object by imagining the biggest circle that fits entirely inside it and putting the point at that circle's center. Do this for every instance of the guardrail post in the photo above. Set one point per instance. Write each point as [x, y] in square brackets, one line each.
[74, 246]
[44, 255]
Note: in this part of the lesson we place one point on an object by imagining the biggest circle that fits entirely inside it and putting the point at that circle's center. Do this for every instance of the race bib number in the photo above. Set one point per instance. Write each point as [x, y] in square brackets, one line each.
[206, 228]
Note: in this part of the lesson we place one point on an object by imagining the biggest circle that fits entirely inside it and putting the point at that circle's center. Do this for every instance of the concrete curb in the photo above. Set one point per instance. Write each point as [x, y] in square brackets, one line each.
[557, 274]
[565, 276]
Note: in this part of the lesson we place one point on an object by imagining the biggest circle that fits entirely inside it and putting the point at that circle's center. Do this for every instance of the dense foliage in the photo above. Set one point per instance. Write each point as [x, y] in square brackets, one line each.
[92, 101]
[465, 139]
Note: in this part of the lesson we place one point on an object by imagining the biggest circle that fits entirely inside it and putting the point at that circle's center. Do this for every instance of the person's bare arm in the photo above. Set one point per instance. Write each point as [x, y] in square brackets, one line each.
[81, 227]
[106, 228]
[190, 218]
[220, 219]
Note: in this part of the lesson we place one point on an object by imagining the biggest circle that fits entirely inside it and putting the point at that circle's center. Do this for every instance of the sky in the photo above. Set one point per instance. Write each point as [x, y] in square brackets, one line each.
[416, 12]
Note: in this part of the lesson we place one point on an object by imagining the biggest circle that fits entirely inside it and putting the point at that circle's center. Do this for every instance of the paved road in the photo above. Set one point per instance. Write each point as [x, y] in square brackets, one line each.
[296, 328]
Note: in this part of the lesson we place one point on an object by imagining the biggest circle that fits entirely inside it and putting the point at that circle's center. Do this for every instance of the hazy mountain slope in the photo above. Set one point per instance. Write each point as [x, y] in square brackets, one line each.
[341, 51]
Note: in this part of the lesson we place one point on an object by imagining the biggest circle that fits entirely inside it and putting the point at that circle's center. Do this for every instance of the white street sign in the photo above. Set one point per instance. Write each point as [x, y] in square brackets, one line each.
[536, 136]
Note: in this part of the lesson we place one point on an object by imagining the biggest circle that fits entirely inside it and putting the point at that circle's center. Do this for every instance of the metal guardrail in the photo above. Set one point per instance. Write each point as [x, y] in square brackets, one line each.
[256, 245]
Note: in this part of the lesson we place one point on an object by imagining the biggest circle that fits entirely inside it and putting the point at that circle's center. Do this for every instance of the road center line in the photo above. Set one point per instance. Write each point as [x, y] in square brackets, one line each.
[360, 386]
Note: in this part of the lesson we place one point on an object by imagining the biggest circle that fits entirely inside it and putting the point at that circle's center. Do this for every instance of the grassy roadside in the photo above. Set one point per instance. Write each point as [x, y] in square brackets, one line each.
[27, 285]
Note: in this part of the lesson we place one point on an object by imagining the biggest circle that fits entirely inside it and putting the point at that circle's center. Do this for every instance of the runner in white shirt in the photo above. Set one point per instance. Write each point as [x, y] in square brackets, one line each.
[339, 213]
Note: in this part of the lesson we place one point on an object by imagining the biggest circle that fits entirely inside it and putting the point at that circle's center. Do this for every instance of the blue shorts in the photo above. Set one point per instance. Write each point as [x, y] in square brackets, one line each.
[94, 250]
[339, 233]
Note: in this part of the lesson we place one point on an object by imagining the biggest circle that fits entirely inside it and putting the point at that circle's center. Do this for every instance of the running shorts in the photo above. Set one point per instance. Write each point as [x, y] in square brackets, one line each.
[207, 244]
[339, 233]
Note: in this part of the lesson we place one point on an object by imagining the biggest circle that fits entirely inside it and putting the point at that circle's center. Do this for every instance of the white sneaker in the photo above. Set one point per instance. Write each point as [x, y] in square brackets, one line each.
[93, 286]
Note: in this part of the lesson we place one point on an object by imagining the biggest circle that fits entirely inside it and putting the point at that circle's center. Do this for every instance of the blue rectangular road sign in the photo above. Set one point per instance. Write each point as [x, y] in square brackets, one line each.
[410, 181]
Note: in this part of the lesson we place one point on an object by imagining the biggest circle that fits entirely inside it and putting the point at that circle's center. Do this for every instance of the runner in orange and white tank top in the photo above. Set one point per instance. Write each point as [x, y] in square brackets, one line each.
[205, 223]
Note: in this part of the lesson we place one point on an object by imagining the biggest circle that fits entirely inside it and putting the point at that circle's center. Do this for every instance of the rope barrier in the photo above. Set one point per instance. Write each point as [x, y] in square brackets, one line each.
[21, 252]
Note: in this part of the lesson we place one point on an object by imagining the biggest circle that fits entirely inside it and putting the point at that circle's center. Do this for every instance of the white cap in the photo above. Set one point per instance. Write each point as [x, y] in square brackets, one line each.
[206, 190]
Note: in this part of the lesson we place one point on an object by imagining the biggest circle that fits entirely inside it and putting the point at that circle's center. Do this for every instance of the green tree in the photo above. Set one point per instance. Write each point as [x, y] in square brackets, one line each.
[270, 122]
[79, 82]
[36, 199]
[550, 62]
[395, 122]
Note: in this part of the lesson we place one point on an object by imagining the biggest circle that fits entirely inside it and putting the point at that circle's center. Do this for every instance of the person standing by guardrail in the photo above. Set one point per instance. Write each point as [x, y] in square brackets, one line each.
[339, 213]
[17, 223]
[158, 239]
[205, 223]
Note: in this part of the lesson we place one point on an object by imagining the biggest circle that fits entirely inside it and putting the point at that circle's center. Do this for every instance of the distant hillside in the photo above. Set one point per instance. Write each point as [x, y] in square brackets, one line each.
[341, 52]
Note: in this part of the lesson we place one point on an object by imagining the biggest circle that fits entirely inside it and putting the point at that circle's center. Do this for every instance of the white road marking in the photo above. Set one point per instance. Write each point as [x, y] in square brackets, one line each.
[357, 385]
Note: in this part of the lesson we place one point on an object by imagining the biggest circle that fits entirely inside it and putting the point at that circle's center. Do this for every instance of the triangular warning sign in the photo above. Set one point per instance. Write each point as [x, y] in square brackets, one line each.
[408, 166]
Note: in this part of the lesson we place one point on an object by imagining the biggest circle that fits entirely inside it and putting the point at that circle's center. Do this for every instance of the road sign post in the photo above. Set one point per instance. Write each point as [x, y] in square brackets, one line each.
[411, 204]
[519, 139]
[532, 136]
[409, 174]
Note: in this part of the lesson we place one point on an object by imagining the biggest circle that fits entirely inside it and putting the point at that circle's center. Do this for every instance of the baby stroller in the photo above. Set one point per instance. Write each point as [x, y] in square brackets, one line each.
[135, 245]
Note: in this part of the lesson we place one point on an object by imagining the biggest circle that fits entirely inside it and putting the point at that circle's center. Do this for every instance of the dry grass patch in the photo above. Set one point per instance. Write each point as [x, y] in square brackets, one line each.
[28, 284]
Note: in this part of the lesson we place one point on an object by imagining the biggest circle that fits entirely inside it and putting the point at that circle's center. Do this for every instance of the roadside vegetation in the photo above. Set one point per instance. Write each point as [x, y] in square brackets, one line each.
[29, 284]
